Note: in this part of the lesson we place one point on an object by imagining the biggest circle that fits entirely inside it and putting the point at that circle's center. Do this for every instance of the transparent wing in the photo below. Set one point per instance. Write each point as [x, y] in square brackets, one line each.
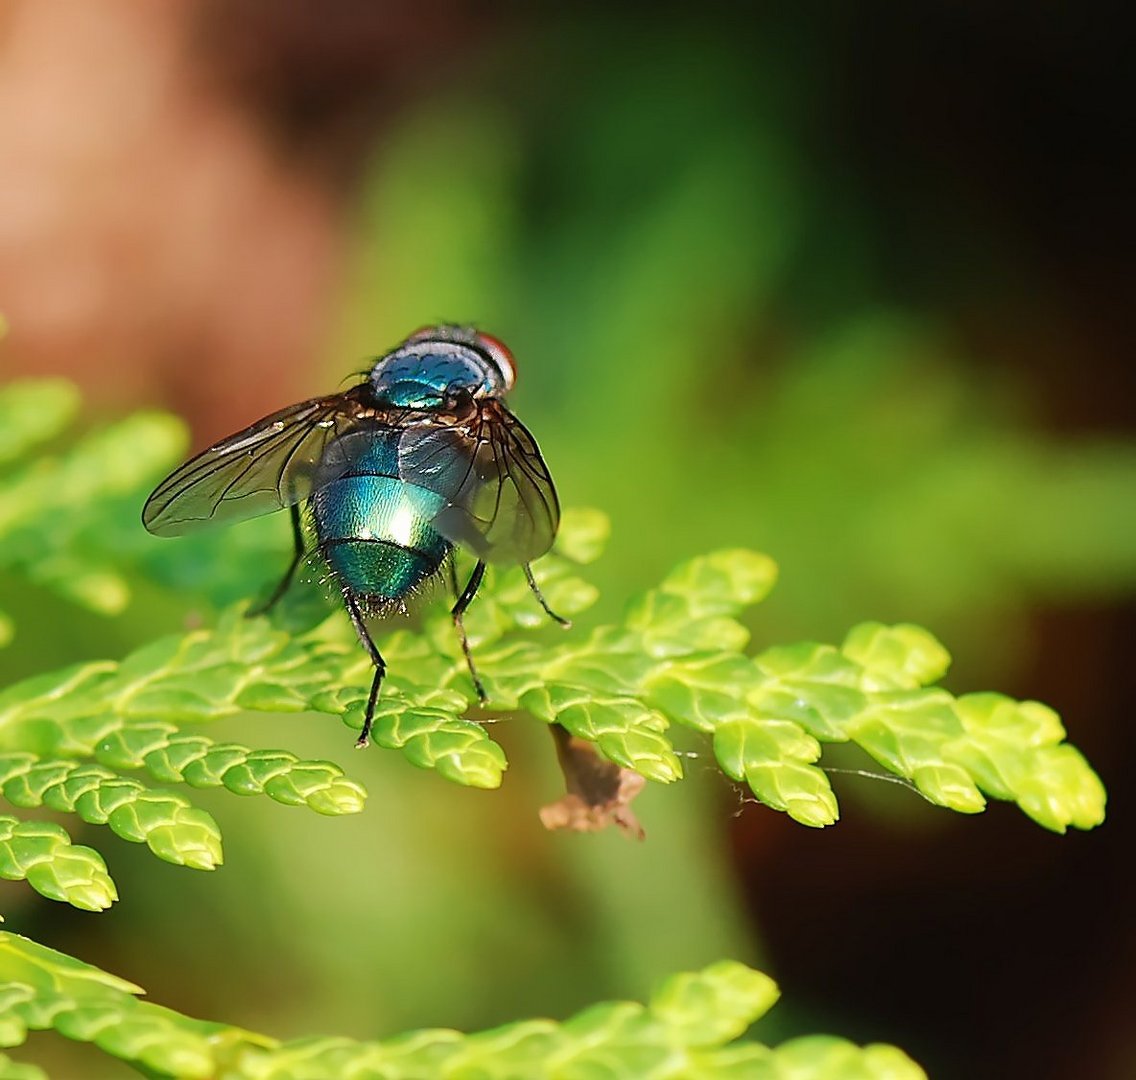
[497, 496]
[268, 466]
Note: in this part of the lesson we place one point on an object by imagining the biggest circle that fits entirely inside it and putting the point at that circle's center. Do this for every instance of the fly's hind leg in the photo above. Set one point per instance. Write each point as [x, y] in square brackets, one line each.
[297, 556]
[458, 610]
[368, 643]
[566, 623]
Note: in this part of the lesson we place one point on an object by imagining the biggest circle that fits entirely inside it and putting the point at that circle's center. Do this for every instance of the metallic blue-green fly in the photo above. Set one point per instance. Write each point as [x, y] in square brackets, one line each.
[384, 479]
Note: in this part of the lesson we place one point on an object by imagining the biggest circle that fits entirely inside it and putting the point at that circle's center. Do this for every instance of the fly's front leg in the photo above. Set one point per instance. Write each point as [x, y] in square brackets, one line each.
[566, 623]
[290, 573]
[458, 610]
[376, 659]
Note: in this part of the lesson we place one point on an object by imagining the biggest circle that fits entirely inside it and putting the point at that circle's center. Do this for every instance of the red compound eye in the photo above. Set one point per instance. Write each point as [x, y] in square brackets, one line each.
[501, 356]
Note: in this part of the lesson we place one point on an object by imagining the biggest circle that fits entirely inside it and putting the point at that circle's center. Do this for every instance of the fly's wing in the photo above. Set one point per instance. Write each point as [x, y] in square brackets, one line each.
[270, 465]
[497, 497]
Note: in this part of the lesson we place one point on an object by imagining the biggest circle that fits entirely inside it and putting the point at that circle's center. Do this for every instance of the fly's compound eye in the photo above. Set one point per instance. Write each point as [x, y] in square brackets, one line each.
[501, 356]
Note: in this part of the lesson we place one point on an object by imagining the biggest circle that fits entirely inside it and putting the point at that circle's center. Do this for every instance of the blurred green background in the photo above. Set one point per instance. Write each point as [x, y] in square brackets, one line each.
[835, 284]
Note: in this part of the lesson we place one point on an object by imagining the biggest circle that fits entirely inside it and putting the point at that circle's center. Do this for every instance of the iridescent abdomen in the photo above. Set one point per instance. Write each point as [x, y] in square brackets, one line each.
[372, 527]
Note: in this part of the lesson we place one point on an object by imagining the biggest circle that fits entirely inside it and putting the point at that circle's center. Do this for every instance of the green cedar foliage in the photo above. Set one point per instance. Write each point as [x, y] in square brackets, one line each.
[124, 742]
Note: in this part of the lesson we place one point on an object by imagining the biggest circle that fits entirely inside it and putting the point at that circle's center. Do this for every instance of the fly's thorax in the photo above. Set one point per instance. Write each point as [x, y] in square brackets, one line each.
[429, 374]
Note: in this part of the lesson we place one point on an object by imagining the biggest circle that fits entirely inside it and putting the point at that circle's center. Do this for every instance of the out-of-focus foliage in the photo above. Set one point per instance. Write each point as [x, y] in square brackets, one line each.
[690, 1028]
[61, 513]
[677, 656]
[69, 514]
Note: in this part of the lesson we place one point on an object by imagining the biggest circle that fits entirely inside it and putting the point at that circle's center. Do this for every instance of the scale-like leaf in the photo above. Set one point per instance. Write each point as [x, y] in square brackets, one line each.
[42, 853]
[165, 821]
[200, 762]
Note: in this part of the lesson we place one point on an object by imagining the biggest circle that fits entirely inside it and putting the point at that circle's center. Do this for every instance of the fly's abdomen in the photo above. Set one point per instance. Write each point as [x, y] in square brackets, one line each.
[374, 528]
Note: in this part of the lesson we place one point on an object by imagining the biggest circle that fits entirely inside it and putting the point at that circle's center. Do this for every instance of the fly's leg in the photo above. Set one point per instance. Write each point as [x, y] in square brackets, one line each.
[452, 571]
[376, 659]
[566, 623]
[458, 610]
[290, 573]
